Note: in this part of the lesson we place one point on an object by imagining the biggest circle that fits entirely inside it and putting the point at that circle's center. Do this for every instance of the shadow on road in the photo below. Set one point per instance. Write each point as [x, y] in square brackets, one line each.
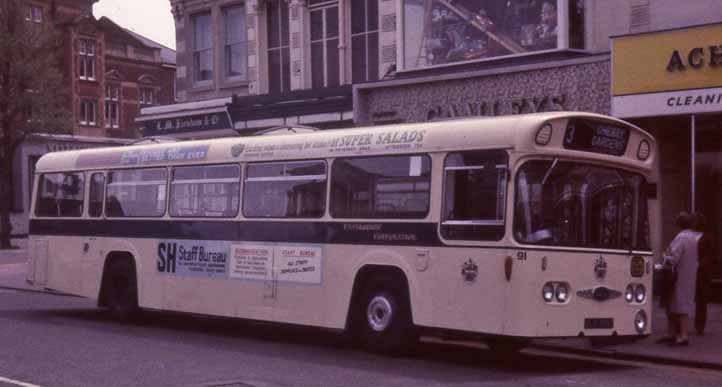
[434, 361]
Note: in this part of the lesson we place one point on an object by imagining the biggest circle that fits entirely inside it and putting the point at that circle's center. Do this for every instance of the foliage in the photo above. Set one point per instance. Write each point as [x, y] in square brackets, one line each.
[33, 93]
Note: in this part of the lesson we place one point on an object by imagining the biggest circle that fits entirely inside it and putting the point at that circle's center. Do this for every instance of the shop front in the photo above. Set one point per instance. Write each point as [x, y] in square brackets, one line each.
[670, 83]
[578, 84]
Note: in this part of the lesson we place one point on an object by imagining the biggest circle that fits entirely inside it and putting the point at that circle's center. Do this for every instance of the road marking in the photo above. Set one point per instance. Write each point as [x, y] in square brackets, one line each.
[17, 382]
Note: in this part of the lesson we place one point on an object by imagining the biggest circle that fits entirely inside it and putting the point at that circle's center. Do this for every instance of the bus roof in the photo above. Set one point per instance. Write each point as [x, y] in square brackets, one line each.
[503, 132]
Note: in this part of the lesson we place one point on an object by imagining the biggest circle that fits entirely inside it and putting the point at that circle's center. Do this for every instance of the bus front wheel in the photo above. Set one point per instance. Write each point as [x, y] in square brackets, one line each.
[384, 318]
[122, 293]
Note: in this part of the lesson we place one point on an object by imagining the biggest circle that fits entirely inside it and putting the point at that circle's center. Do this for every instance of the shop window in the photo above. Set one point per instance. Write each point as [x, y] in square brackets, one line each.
[279, 50]
[439, 32]
[364, 40]
[285, 190]
[86, 59]
[88, 108]
[112, 106]
[381, 187]
[60, 195]
[236, 44]
[202, 47]
[324, 45]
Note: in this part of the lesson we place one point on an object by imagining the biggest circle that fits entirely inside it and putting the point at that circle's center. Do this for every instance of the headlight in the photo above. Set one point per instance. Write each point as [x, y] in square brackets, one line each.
[640, 322]
[629, 293]
[562, 292]
[548, 292]
[640, 293]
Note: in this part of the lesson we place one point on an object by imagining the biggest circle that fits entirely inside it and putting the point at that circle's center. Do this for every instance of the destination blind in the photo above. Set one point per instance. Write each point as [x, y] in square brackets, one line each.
[596, 137]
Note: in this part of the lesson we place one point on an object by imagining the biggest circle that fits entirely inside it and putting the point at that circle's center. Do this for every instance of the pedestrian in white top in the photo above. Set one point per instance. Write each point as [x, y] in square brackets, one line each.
[682, 255]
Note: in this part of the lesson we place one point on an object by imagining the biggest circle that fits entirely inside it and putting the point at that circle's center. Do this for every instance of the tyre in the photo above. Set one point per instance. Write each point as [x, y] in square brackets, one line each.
[122, 290]
[384, 318]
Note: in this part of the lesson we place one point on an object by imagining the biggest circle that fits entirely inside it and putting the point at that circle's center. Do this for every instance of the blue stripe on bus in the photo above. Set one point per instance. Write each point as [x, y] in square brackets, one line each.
[404, 233]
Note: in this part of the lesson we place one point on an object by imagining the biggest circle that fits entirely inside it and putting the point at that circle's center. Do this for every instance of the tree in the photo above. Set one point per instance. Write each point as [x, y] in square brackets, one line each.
[33, 94]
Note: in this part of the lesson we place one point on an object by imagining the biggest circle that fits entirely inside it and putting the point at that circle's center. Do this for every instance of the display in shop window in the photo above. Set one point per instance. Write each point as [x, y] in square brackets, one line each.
[445, 31]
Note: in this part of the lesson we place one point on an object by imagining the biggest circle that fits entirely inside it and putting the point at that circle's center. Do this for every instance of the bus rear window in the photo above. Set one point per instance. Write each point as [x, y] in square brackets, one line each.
[381, 187]
[60, 195]
[136, 193]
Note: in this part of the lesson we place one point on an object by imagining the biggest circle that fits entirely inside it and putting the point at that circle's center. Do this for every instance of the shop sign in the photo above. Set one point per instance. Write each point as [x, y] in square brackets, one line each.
[185, 124]
[63, 146]
[672, 103]
[668, 61]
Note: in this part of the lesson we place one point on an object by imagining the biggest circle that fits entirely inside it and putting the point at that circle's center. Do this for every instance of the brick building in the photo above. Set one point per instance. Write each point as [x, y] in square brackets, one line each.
[111, 73]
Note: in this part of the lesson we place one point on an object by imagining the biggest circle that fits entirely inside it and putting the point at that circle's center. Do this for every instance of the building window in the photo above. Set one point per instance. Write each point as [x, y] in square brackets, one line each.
[87, 112]
[202, 47]
[438, 32]
[365, 40]
[146, 96]
[112, 106]
[324, 45]
[34, 14]
[236, 47]
[279, 52]
[86, 59]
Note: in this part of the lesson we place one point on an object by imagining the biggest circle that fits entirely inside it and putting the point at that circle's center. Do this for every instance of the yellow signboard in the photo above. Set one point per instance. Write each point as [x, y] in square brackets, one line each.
[673, 60]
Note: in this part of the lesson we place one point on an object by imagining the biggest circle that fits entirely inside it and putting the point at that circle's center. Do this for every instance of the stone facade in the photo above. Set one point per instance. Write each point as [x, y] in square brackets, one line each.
[581, 85]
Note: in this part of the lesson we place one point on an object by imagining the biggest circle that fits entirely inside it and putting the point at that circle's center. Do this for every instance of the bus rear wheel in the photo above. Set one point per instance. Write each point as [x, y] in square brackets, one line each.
[384, 318]
[122, 293]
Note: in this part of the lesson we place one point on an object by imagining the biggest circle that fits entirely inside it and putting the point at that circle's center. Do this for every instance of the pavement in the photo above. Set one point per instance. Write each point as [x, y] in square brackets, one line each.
[704, 351]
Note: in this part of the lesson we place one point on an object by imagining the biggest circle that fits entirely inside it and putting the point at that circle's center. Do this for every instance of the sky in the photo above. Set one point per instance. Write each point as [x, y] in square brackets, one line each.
[150, 18]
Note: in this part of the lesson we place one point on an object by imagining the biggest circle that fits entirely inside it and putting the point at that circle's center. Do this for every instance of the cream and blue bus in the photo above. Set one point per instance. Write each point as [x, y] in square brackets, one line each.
[503, 229]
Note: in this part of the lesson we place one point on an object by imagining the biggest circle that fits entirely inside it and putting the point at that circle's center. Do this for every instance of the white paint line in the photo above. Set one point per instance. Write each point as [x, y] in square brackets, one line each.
[17, 382]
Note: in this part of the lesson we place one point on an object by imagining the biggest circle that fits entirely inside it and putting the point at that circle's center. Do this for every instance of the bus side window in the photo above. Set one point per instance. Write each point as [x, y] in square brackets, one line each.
[97, 187]
[381, 187]
[206, 191]
[136, 193]
[474, 195]
[291, 189]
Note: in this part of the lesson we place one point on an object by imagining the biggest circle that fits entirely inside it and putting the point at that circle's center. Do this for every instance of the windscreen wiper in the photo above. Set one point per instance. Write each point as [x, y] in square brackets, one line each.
[549, 172]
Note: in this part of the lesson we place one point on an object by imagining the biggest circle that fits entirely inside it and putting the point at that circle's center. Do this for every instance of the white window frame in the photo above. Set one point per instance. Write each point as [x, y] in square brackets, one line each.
[323, 7]
[146, 96]
[198, 51]
[366, 33]
[112, 99]
[86, 59]
[34, 13]
[227, 44]
[88, 110]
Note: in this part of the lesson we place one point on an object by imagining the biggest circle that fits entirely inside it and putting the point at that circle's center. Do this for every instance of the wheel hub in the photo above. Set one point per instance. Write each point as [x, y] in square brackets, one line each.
[379, 313]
